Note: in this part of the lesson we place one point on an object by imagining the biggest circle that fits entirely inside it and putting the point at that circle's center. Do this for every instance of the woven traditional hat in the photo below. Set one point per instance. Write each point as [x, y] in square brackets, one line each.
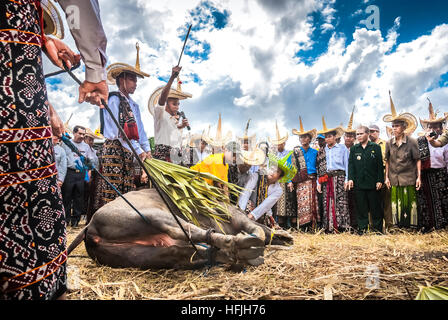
[289, 170]
[350, 124]
[433, 117]
[195, 138]
[339, 130]
[278, 139]
[174, 94]
[252, 139]
[53, 24]
[218, 140]
[95, 135]
[115, 69]
[407, 117]
[312, 133]
[254, 157]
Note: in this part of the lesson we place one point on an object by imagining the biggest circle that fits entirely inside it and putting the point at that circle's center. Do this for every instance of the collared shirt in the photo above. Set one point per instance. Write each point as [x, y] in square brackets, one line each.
[166, 131]
[89, 36]
[111, 131]
[365, 166]
[94, 159]
[337, 158]
[61, 161]
[439, 157]
[402, 161]
[274, 193]
[73, 161]
[310, 159]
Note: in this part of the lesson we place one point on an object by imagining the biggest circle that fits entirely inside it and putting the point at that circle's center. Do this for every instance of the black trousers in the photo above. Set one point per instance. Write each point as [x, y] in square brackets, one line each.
[369, 201]
[73, 195]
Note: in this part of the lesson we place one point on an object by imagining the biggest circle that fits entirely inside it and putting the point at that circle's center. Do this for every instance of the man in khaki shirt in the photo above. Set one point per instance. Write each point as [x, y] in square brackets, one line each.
[403, 175]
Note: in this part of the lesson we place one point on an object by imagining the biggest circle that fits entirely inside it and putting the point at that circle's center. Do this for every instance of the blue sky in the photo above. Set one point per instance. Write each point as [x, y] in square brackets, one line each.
[277, 59]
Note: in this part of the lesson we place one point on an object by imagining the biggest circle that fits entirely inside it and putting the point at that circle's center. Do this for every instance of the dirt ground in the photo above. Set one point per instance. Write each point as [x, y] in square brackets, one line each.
[316, 267]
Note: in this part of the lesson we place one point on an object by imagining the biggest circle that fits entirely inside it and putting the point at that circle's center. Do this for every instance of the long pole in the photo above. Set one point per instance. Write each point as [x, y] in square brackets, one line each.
[171, 206]
[185, 42]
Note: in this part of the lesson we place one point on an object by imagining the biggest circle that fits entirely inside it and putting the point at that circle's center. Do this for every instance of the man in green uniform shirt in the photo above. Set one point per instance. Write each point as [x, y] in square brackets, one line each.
[366, 176]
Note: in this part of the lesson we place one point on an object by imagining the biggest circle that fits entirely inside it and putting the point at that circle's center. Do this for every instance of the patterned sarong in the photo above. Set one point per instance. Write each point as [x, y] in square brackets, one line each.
[117, 166]
[336, 211]
[307, 210]
[32, 220]
[433, 199]
[162, 152]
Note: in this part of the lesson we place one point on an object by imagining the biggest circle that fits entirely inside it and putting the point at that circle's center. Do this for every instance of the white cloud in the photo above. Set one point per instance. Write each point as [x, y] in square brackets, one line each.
[252, 70]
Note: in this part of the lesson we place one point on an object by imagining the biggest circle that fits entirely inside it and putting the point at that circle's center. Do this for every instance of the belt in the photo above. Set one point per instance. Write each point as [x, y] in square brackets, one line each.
[335, 173]
[74, 170]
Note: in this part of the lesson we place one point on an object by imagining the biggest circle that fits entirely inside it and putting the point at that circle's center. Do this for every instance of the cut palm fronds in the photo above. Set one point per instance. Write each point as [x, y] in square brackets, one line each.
[190, 192]
[433, 293]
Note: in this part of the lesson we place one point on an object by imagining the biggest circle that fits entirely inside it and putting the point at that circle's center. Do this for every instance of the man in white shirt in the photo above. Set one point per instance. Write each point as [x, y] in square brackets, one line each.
[167, 123]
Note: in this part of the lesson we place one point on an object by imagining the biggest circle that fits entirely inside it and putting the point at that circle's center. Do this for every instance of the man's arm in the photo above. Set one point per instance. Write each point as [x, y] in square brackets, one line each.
[166, 91]
[248, 189]
[86, 28]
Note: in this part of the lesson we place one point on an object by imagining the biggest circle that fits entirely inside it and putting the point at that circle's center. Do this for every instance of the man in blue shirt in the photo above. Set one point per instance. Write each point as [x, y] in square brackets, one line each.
[305, 182]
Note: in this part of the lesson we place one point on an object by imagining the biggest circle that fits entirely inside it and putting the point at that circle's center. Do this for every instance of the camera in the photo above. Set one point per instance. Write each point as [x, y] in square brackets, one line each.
[433, 134]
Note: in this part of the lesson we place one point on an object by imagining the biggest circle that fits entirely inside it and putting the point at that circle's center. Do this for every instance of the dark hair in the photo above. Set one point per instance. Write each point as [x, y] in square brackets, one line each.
[331, 133]
[76, 128]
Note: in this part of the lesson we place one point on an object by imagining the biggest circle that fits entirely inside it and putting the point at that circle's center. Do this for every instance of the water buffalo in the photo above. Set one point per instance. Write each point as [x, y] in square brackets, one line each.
[118, 237]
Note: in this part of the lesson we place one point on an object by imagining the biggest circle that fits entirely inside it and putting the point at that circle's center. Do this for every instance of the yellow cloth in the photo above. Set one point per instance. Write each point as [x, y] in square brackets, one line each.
[213, 164]
[382, 144]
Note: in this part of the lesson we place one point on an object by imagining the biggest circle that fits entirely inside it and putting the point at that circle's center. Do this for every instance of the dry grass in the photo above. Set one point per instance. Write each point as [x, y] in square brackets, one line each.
[318, 266]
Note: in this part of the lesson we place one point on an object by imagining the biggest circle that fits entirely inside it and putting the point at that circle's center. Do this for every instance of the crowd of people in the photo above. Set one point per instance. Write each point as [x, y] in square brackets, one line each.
[363, 184]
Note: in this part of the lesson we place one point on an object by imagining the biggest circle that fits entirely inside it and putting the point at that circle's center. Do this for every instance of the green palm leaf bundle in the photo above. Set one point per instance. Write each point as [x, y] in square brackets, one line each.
[190, 192]
[433, 293]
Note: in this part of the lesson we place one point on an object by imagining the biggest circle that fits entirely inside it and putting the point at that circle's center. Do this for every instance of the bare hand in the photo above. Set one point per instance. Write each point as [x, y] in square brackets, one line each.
[57, 126]
[418, 184]
[58, 52]
[251, 217]
[184, 124]
[319, 188]
[379, 185]
[290, 186]
[387, 183]
[93, 92]
[349, 185]
[144, 178]
[175, 71]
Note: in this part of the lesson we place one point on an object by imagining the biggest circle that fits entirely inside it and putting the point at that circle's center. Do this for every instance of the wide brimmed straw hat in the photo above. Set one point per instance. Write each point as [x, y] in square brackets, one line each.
[174, 94]
[302, 132]
[350, 124]
[95, 135]
[251, 139]
[408, 118]
[219, 140]
[289, 170]
[278, 138]
[115, 69]
[339, 130]
[254, 157]
[433, 117]
[53, 24]
[193, 139]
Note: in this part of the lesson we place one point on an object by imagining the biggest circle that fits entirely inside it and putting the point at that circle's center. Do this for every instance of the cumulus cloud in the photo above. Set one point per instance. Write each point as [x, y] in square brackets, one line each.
[243, 60]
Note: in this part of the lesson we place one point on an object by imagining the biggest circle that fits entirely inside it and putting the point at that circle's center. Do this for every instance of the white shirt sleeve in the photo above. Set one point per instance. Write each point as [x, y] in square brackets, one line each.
[249, 187]
[110, 129]
[274, 194]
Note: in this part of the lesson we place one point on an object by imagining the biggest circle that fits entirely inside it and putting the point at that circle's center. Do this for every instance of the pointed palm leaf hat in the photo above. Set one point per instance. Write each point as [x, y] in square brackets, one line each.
[53, 24]
[251, 139]
[174, 94]
[193, 139]
[278, 138]
[95, 135]
[433, 117]
[408, 118]
[339, 130]
[288, 169]
[218, 140]
[312, 133]
[115, 69]
[350, 123]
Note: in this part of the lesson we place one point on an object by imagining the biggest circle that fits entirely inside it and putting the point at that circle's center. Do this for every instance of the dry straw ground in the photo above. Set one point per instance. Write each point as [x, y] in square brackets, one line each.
[317, 266]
